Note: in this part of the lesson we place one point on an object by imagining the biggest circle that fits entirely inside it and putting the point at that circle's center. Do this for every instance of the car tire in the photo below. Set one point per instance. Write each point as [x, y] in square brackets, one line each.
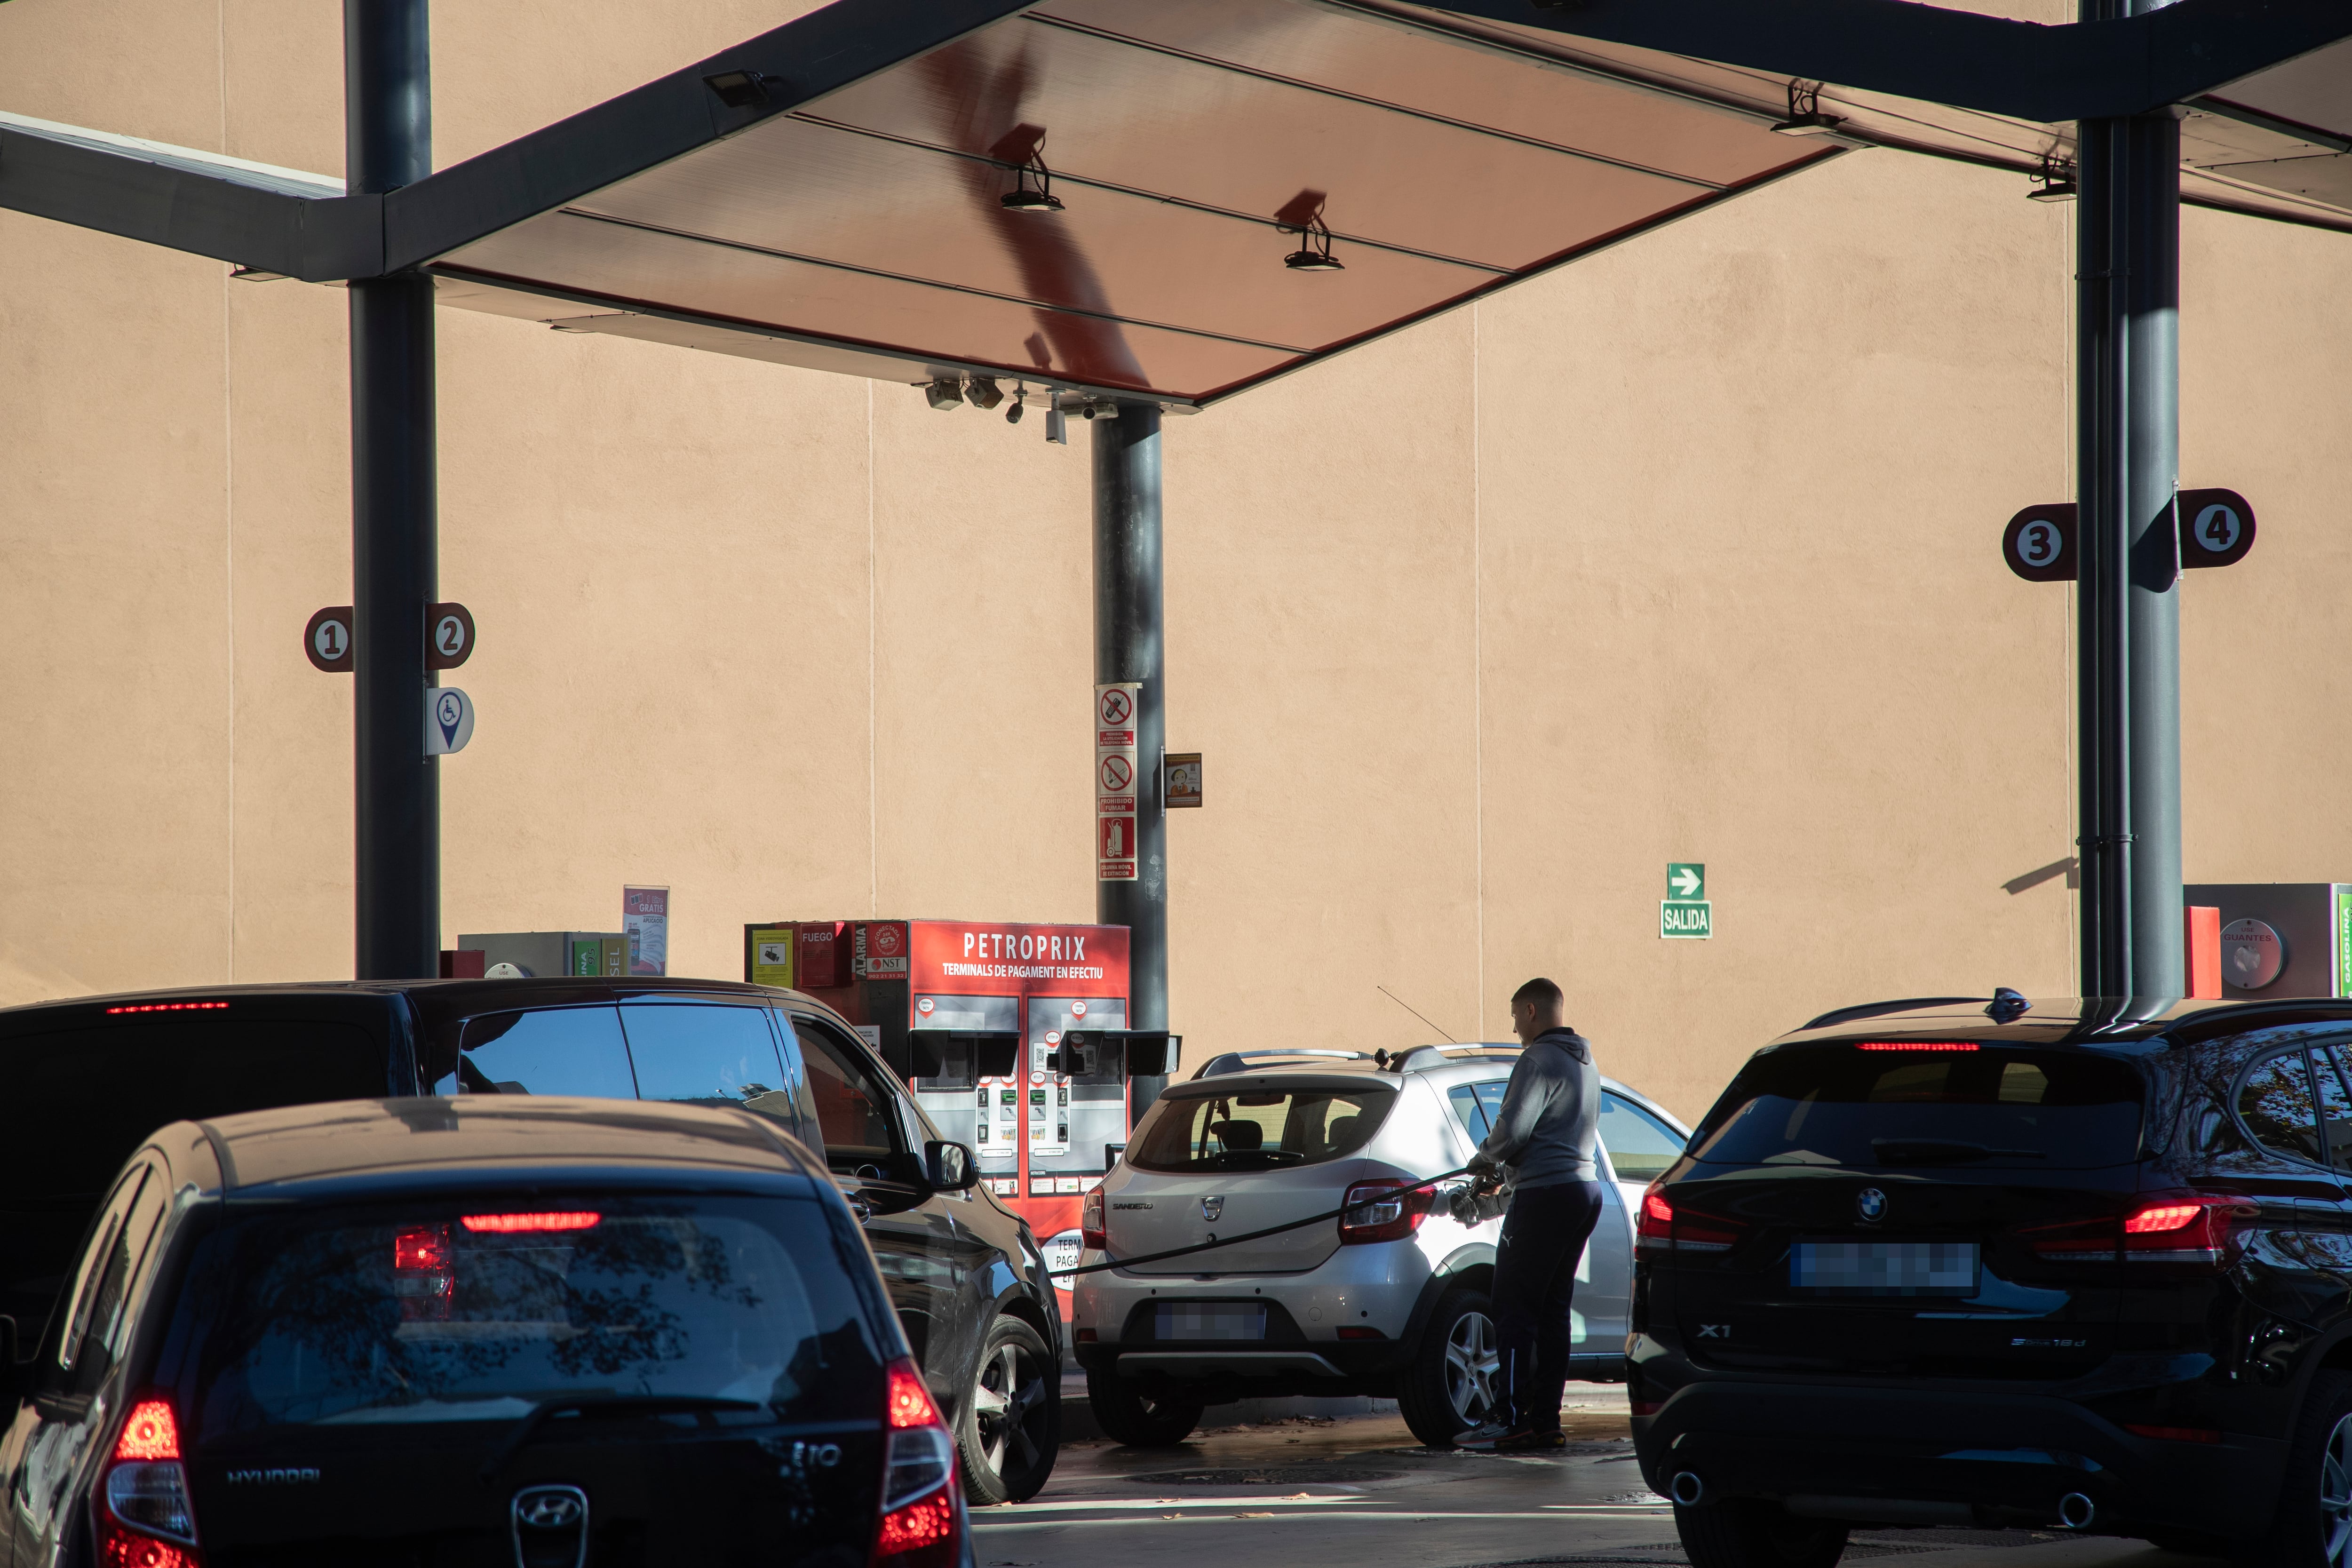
[1010, 1426]
[1743, 1533]
[2312, 1527]
[1452, 1381]
[1127, 1416]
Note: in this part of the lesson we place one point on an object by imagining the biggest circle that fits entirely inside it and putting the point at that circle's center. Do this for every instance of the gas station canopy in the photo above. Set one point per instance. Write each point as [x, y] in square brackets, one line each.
[1188, 143]
[1175, 200]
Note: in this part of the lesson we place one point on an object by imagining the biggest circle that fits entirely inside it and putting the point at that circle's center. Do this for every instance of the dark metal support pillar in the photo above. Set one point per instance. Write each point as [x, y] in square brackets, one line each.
[2127, 665]
[388, 143]
[1129, 647]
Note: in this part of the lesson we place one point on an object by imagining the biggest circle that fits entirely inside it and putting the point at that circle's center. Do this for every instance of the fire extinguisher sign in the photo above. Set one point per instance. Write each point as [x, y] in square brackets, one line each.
[1116, 787]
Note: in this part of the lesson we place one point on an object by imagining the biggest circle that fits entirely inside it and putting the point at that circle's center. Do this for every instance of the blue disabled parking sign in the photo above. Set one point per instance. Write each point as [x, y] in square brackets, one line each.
[448, 721]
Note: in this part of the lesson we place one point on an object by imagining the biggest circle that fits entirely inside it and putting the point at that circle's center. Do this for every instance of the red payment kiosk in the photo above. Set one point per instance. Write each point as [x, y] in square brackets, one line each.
[974, 1014]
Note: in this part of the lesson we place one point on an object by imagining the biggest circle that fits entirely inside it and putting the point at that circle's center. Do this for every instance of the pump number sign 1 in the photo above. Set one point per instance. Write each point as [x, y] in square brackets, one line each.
[1684, 911]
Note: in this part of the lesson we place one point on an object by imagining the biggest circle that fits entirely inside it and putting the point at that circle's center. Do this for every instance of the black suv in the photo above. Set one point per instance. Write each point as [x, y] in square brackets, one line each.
[2082, 1264]
[476, 1332]
[83, 1082]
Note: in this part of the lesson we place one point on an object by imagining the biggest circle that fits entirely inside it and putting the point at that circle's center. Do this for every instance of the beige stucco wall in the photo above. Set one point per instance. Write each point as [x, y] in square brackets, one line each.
[1688, 551]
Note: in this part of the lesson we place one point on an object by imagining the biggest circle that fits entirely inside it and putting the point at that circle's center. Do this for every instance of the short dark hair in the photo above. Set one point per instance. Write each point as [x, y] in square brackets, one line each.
[1537, 993]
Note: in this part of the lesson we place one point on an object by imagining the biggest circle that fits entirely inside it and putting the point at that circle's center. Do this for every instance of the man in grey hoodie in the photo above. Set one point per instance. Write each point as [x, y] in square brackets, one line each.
[1542, 1142]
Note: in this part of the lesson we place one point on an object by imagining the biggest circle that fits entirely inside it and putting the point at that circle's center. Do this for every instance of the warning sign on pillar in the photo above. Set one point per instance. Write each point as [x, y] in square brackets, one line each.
[1115, 782]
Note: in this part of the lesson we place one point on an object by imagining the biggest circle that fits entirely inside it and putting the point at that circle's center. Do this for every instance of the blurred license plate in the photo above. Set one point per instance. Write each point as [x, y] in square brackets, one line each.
[1180, 1321]
[1885, 1267]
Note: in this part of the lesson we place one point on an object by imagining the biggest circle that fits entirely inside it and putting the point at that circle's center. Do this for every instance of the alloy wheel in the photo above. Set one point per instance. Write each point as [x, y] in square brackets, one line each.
[2335, 1497]
[1002, 1404]
[1473, 1365]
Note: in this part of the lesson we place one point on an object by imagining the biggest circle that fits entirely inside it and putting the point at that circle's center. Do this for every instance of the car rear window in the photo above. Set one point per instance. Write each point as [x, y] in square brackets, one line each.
[1900, 1103]
[477, 1310]
[76, 1103]
[1258, 1128]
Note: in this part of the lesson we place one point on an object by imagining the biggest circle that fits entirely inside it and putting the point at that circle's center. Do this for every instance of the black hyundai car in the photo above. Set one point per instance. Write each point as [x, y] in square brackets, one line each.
[2078, 1264]
[476, 1332]
[83, 1082]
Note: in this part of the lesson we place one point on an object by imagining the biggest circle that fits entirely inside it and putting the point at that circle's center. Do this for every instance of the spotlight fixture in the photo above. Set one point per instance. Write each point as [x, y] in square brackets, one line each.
[1012, 414]
[1314, 252]
[1805, 116]
[740, 90]
[1057, 429]
[944, 393]
[257, 275]
[981, 392]
[1032, 185]
[2053, 182]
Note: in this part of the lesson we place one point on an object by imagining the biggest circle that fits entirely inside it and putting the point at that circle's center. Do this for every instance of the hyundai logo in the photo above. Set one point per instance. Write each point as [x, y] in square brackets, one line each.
[1213, 1209]
[551, 1527]
[1870, 1204]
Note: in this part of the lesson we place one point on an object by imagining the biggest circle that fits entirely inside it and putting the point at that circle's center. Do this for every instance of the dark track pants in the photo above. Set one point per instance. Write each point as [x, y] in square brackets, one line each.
[1535, 1277]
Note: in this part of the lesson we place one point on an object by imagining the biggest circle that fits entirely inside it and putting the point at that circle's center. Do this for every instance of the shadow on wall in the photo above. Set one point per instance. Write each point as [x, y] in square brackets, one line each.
[2069, 866]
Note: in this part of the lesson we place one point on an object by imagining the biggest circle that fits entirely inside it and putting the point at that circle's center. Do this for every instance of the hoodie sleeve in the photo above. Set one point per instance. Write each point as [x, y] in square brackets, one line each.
[1527, 1098]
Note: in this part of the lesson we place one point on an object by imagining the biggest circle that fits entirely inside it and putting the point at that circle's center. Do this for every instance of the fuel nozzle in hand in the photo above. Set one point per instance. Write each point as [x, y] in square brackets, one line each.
[1477, 1200]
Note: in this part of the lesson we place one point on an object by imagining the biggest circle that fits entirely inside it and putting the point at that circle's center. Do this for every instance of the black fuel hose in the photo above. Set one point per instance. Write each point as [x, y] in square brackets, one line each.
[1386, 1194]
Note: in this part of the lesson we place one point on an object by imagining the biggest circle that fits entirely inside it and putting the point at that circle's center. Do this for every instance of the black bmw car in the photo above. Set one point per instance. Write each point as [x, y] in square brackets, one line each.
[2083, 1265]
[494, 1332]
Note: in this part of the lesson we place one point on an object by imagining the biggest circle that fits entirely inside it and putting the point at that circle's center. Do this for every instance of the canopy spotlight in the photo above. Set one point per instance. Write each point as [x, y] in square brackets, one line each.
[1057, 429]
[2053, 182]
[1032, 185]
[981, 392]
[1805, 116]
[1314, 252]
[944, 393]
[1020, 393]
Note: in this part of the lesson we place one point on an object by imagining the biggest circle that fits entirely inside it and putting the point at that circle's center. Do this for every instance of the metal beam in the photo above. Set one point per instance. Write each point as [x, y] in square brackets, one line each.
[396, 805]
[2076, 70]
[1128, 646]
[2128, 662]
[279, 220]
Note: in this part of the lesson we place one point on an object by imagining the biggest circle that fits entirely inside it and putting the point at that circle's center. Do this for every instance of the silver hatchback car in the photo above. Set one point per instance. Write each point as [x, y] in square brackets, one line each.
[1393, 1303]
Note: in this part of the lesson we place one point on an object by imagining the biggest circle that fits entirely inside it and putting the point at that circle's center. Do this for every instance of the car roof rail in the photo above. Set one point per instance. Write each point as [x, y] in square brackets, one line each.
[1830, 1020]
[1422, 1058]
[1239, 1061]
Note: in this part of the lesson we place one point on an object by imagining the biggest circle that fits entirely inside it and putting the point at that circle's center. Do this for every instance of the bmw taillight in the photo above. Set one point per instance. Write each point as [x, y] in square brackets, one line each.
[1090, 1223]
[1660, 1228]
[1387, 1210]
[922, 1515]
[145, 1518]
[2185, 1227]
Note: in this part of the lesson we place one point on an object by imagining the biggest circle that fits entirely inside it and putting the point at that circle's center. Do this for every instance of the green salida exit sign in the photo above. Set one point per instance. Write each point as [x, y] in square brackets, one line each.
[1686, 912]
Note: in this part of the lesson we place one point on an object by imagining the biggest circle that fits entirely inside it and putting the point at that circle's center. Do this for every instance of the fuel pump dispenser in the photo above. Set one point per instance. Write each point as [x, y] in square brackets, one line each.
[1013, 1038]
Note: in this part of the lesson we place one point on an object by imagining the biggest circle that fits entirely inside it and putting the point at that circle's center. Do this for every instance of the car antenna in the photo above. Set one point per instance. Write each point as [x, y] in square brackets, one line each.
[1409, 1007]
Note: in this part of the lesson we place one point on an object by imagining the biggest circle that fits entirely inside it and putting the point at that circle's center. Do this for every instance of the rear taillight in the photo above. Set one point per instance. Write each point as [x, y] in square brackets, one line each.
[144, 1516]
[2192, 1228]
[1660, 1228]
[2187, 1227]
[1090, 1223]
[421, 1276]
[1387, 1210]
[2176, 1434]
[921, 1518]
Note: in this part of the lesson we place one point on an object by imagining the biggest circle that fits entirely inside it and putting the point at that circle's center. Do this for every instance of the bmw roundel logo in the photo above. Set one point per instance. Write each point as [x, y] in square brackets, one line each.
[1870, 1204]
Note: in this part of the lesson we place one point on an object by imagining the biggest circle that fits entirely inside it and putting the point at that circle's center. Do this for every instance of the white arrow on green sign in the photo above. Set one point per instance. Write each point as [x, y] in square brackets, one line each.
[1685, 910]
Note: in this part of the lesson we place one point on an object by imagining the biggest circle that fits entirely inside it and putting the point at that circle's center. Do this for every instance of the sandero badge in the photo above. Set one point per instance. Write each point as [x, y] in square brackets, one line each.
[551, 1527]
[1213, 1208]
[1870, 1204]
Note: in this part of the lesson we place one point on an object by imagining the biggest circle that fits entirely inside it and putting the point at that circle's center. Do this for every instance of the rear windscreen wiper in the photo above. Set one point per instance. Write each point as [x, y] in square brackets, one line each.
[644, 1404]
[1941, 1151]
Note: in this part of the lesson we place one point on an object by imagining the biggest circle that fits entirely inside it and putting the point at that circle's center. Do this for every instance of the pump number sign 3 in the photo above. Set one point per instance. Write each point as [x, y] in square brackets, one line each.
[1686, 912]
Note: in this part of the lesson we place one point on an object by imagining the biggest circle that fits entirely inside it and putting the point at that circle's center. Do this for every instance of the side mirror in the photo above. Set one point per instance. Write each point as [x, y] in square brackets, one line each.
[950, 1167]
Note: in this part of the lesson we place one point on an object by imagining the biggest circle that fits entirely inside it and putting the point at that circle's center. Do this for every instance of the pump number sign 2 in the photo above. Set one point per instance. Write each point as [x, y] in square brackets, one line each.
[1686, 912]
